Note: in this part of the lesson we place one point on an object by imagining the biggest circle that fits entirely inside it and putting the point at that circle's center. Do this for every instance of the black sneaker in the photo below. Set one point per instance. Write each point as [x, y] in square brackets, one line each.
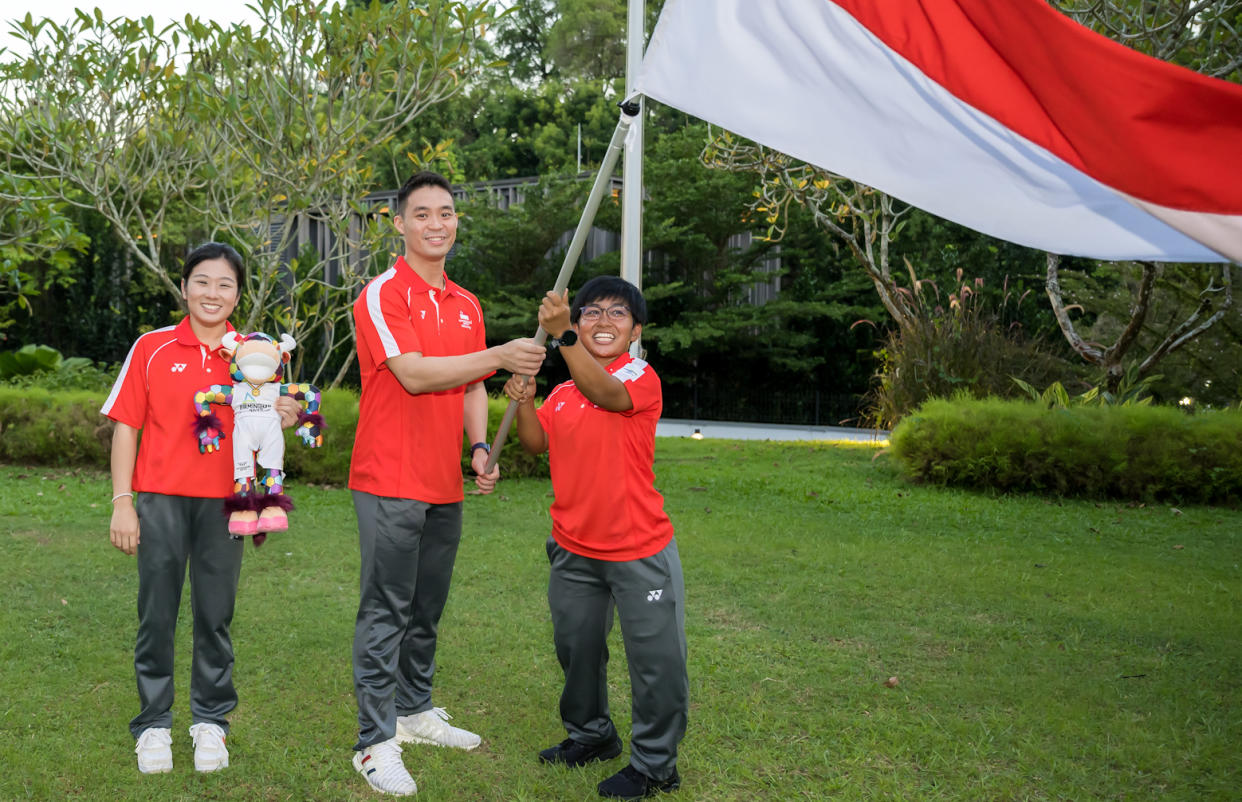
[630, 783]
[572, 753]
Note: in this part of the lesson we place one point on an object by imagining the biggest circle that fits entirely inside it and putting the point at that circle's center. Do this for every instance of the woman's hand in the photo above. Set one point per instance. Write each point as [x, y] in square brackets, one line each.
[520, 389]
[554, 313]
[289, 411]
[124, 526]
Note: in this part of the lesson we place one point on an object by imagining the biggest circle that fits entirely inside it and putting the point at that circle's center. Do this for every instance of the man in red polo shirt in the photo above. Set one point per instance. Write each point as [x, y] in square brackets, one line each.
[612, 544]
[423, 357]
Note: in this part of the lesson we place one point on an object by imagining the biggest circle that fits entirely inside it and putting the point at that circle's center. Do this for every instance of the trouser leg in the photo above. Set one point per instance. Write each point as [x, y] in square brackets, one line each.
[582, 613]
[161, 558]
[650, 598]
[389, 531]
[215, 569]
[437, 554]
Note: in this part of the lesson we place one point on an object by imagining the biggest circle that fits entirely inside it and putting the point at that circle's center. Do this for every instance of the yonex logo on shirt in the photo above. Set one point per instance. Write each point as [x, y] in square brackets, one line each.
[178, 367]
[654, 595]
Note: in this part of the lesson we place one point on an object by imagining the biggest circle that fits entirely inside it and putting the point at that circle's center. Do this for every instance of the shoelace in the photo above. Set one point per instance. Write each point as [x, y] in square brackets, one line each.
[152, 737]
[208, 730]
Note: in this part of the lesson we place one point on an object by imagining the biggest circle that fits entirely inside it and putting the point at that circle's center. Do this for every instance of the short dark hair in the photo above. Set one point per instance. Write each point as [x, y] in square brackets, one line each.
[602, 287]
[215, 250]
[425, 178]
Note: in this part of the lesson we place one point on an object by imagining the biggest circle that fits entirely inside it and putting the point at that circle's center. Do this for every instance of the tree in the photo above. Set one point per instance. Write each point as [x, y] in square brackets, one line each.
[588, 38]
[522, 40]
[1148, 310]
[256, 132]
[1202, 36]
[864, 219]
[37, 241]
[98, 117]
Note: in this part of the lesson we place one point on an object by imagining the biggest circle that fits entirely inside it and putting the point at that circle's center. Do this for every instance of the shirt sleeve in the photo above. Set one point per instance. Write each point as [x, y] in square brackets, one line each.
[382, 316]
[127, 403]
[643, 385]
[480, 344]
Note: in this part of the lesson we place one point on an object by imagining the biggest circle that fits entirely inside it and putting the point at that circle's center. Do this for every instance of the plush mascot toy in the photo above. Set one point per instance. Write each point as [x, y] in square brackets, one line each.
[258, 504]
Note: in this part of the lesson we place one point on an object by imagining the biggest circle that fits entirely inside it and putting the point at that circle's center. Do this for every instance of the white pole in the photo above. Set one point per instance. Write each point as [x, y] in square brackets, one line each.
[632, 172]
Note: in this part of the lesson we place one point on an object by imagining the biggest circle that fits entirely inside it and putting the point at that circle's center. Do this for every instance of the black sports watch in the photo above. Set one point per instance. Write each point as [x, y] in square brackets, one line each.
[569, 337]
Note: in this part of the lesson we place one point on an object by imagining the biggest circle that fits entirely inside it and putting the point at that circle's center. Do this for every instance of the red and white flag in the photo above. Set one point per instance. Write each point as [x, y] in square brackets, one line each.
[1002, 115]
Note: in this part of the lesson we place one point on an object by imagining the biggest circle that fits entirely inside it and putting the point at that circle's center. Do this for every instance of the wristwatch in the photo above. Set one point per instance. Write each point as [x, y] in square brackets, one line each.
[569, 337]
[486, 448]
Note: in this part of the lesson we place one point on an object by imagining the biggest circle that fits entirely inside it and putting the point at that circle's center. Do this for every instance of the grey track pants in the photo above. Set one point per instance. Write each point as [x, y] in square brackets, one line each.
[649, 597]
[408, 549]
[176, 530]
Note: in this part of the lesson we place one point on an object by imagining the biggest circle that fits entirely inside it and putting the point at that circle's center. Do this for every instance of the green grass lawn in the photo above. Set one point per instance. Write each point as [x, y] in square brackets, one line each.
[1044, 649]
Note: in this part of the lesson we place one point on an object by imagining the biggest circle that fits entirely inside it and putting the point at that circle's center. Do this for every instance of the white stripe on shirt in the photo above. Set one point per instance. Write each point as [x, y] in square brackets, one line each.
[376, 313]
[120, 379]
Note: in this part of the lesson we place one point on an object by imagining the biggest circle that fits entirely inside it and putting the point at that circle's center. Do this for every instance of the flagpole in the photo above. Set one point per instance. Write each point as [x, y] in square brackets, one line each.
[632, 171]
[629, 113]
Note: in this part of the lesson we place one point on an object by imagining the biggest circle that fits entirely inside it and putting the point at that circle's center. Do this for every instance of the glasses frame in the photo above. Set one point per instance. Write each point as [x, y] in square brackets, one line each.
[616, 312]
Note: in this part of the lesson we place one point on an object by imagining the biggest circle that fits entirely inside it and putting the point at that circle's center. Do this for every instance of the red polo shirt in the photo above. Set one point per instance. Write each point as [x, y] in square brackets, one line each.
[607, 507]
[409, 446]
[155, 393]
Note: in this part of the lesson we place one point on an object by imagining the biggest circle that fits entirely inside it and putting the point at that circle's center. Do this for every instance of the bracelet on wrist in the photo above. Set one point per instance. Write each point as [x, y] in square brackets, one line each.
[479, 445]
[122, 495]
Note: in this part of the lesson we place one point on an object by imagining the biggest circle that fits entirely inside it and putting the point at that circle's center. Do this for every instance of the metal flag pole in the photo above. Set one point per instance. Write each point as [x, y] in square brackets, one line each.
[629, 111]
[632, 172]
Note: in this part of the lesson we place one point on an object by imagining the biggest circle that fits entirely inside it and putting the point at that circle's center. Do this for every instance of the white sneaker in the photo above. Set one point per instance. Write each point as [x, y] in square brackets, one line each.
[209, 751]
[432, 727]
[381, 764]
[154, 750]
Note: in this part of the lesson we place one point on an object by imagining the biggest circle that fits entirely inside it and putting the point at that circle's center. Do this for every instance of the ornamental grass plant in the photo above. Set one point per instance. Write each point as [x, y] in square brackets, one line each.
[961, 345]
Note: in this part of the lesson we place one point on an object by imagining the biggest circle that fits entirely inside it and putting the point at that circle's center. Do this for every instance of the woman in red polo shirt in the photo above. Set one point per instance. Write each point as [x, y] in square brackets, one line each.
[612, 545]
[178, 515]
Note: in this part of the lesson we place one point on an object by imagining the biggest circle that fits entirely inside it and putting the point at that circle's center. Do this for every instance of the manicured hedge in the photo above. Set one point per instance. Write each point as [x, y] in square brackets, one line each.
[41, 427]
[1140, 453]
[38, 427]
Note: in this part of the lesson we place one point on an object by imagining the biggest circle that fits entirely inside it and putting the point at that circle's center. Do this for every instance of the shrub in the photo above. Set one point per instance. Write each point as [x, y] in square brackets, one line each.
[328, 464]
[70, 376]
[43, 366]
[40, 427]
[1132, 452]
[514, 462]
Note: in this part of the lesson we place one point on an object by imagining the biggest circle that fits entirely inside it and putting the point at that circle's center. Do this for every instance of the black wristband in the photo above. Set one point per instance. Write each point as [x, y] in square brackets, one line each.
[477, 446]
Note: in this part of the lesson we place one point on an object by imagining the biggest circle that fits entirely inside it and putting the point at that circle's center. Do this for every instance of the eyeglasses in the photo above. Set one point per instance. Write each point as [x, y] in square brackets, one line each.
[593, 313]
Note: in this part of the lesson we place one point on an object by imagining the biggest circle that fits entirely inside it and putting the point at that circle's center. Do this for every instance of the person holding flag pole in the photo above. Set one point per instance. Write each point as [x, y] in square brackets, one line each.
[612, 544]
[423, 356]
